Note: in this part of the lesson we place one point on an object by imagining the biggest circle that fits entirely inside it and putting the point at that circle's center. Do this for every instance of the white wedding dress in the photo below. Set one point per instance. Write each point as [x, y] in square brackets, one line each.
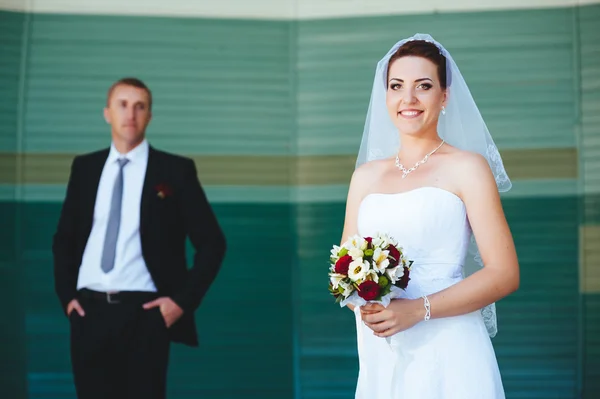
[446, 358]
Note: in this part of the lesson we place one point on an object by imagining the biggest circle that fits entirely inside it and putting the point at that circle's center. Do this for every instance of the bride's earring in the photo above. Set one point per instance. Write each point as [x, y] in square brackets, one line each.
[443, 110]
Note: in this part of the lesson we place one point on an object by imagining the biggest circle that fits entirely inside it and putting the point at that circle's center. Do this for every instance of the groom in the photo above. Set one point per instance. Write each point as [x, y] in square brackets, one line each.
[119, 255]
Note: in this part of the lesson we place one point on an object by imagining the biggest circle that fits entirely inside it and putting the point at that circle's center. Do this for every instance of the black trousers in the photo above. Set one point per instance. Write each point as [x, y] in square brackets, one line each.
[119, 350]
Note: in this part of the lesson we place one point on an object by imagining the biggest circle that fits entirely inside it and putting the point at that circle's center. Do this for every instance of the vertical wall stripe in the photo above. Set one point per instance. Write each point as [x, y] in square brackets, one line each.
[589, 21]
[13, 349]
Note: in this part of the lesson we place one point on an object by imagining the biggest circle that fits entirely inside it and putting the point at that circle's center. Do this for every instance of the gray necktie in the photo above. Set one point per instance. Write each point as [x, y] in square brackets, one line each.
[114, 221]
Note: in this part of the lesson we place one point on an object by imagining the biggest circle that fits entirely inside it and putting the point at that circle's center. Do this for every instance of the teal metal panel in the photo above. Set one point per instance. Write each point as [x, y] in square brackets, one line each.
[518, 64]
[13, 348]
[589, 21]
[13, 367]
[11, 35]
[591, 355]
[589, 31]
[220, 86]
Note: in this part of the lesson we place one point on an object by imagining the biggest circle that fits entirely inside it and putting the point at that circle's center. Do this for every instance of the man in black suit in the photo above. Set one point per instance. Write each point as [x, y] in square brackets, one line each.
[119, 255]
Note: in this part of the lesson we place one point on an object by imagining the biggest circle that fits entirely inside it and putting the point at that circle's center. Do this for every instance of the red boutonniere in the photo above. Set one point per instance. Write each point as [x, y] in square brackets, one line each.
[163, 191]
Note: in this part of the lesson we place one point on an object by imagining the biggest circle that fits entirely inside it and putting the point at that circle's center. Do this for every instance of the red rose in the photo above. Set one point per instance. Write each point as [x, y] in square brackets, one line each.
[395, 254]
[368, 290]
[369, 241]
[403, 281]
[163, 190]
[342, 264]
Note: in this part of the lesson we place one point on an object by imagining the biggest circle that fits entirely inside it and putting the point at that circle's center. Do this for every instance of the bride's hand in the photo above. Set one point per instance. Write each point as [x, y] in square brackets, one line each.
[400, 315]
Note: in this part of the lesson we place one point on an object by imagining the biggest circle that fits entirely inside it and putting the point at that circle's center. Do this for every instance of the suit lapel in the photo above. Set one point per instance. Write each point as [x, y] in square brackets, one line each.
[91, 183]
[148, 188]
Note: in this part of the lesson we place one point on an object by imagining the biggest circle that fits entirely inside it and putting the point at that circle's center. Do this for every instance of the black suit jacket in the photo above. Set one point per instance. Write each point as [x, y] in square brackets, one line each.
[173, 207]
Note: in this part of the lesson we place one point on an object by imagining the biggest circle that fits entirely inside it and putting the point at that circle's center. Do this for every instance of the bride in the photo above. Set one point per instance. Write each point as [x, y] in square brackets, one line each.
[429, 174]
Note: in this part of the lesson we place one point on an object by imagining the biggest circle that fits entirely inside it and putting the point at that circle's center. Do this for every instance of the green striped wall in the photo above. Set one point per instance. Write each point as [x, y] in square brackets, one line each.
[589, 19]
[527, 101]
[13, 366]
[220, 87]
[11, 40]
[272, 113]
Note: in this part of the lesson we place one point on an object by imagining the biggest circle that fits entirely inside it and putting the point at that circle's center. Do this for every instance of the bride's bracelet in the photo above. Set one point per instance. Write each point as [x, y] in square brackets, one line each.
[427, 306]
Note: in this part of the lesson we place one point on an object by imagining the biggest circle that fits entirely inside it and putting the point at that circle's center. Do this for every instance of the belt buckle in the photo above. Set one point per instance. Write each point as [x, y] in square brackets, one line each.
[109, 298]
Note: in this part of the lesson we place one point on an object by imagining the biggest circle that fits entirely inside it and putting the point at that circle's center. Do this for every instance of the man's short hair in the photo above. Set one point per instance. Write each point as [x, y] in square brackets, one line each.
[135, 82]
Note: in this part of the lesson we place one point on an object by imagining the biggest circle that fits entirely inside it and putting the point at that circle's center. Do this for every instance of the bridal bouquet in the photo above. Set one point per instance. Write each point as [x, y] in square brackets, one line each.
[367, 269]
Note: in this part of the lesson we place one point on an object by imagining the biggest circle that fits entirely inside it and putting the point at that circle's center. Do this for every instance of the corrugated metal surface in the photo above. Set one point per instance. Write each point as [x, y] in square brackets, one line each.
[589, 18]
[590, 283]
[328, 355]
[538, 339]
[13, 367]
[11, 33]
[220, 87]
[519, 66]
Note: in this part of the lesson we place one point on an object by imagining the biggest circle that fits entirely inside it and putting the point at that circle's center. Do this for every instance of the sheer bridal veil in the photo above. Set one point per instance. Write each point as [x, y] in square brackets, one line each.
[461, 126]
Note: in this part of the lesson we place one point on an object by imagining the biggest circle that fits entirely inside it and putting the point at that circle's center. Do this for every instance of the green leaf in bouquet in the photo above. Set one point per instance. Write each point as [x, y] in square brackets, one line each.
[386, 290]
[383, 281]
[343, 252]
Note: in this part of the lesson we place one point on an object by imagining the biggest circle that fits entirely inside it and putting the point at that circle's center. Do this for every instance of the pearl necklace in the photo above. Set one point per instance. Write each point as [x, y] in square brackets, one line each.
[405, 171]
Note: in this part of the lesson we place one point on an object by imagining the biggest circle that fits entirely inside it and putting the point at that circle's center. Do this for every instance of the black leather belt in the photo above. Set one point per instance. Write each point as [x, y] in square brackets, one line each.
[118, 296]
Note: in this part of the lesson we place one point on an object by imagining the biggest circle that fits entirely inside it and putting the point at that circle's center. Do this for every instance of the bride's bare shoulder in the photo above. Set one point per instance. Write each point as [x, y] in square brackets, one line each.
[370, 171]
[460, 159]
[467, 167]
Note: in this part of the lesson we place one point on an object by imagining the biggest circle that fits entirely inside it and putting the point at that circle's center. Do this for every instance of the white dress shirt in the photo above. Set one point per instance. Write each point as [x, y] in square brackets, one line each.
[130, 272]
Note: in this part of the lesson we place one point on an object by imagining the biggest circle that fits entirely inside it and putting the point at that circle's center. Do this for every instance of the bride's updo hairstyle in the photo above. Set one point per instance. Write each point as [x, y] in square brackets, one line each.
[429, 51]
